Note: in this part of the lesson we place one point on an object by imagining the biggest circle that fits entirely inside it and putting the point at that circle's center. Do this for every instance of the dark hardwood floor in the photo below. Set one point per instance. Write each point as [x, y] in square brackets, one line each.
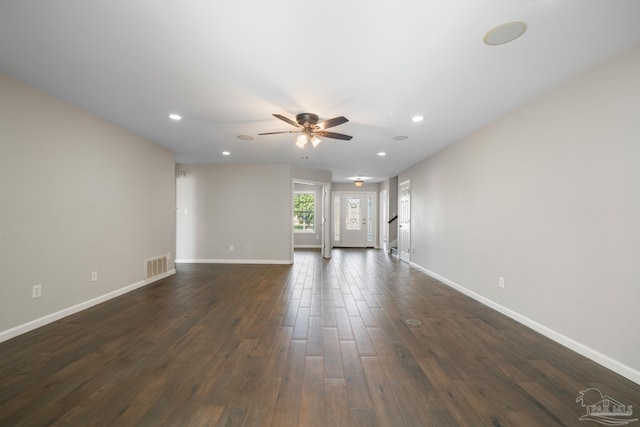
[319, 343]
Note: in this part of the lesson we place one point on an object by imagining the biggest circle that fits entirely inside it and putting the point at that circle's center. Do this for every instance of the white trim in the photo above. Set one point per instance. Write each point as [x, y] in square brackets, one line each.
[232, 261]
[49, 318]
[604, 360]
[308, 246]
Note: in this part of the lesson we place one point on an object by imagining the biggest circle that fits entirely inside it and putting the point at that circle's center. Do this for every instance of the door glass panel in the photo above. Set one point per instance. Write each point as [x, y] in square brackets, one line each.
[353, 214]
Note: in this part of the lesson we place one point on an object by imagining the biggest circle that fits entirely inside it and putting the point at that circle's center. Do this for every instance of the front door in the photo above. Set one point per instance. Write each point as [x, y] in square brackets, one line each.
[354, 220]
[404, 222]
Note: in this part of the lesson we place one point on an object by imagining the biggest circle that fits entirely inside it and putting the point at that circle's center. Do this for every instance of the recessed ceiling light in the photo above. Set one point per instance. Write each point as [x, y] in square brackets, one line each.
[504, 33]
[245, 137]
[174, 116]
[226, 153]
[417, 119]
[381, 154]
[400, 138]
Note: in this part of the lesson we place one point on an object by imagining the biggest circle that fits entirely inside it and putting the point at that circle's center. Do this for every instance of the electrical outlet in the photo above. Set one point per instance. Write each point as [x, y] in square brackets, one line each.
[94, 276]
[36, 291]
[230, 248]
[501, 282]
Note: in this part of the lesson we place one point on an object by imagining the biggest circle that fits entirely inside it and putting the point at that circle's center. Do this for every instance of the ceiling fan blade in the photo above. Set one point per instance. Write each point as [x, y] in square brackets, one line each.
[334, 135]
[275, 133]
[329, 123]
[286, 119]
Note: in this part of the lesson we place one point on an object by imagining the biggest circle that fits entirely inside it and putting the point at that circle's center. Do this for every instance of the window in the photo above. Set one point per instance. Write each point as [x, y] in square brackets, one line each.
[304, 206]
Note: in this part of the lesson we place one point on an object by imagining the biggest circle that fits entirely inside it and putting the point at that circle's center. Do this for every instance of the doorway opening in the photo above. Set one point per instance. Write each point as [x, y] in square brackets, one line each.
[310, 203]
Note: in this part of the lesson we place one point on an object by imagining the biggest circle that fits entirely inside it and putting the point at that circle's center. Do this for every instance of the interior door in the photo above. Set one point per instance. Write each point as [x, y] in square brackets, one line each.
[404, 221]
[354, 225]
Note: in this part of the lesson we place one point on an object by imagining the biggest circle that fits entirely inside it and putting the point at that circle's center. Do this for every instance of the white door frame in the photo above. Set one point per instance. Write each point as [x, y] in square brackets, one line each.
[374, 215]
[326, 220]
[325, 209]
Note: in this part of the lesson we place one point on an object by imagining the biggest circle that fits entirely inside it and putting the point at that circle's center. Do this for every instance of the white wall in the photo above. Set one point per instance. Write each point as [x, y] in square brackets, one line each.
[549, 198]
[312, 175]
[244, 206]
[78, 195]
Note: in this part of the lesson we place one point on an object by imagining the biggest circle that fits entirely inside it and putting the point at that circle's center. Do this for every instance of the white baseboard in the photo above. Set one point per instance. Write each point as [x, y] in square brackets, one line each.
[49, 318]
[604, 360]
[307, 247]
[231, 261]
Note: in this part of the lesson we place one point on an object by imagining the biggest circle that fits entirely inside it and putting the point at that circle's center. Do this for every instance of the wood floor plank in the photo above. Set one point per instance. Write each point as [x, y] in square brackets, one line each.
[314, 341]
[316, 305]
[357, 389]
[262, 410]
[291, 313]
[367, 315]
[277, 357]
[336, 407]
[350, 305]
[388, 412]
[363, 341]
[332, 354]
[328, 314]
[363, 417]
[287, 407]
[458, 406]
[411, 407]
[343, 324]
[301, 327]
[319, 342]
[312, 400]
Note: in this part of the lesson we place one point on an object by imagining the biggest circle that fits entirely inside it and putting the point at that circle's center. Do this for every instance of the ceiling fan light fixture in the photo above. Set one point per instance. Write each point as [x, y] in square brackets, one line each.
[358, 182]
[301, 140]
[308, 126]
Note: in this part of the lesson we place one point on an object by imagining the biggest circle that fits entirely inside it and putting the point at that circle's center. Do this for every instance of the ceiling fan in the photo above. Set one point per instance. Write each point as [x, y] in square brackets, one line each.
[310, 129]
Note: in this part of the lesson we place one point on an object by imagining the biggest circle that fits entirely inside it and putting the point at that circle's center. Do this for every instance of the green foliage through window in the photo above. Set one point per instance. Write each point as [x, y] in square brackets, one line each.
[303, 211]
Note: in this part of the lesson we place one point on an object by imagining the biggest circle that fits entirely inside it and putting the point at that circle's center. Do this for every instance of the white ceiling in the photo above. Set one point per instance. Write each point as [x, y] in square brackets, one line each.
[227, 66]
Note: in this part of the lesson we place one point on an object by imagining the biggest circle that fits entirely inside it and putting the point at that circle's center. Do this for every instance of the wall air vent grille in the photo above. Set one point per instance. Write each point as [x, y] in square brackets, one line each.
[156, 266]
